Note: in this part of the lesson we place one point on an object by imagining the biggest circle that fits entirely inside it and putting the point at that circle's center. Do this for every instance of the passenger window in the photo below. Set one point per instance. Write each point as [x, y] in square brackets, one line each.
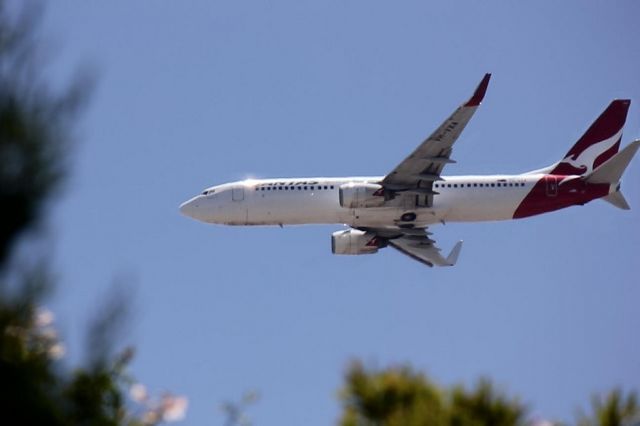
[475, 185]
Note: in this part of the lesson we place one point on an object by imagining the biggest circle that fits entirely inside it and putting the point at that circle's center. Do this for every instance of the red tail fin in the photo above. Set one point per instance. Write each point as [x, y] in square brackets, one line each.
[599, 143]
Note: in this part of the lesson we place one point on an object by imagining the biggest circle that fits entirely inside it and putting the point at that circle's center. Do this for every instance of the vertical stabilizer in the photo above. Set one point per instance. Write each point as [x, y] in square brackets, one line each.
[598, 144]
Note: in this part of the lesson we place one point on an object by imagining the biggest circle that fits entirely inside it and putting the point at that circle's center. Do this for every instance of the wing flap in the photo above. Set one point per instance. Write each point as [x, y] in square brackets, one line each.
[417, 244]
[426, 252]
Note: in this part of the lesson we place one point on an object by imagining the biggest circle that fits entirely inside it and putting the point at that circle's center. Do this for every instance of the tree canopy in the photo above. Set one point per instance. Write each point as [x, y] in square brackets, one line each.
[403, 396]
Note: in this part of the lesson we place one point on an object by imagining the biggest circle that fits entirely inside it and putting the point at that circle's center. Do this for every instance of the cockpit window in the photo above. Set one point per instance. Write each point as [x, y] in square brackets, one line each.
[208, 191]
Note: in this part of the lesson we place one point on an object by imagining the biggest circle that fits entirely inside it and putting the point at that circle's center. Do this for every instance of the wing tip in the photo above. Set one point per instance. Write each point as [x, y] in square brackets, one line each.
[455, 252]
[481, 90]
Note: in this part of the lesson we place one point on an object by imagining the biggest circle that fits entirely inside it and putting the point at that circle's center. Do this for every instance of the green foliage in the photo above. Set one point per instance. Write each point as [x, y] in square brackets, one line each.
[396, 396]
[613, 409]
[28, 378]
[35, 388]
[35, 132]
[484, 406]
[235, 411]
[402, 396]
[35, 127]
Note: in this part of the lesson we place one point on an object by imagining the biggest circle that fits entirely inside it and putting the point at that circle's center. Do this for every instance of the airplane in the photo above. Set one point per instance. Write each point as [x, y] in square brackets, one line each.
[397, 209]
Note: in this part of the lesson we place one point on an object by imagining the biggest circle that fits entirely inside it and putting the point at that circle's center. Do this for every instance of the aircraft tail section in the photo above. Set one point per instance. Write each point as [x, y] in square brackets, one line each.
[611, 171]
[618, 200]
[598, 144]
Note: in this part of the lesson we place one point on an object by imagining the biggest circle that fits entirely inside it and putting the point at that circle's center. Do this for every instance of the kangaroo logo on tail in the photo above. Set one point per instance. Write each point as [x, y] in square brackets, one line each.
[584, 162]
[599, 143]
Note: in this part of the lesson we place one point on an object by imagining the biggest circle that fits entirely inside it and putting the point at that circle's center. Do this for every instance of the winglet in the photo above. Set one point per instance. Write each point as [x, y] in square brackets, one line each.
[478, 95]
[455, 252]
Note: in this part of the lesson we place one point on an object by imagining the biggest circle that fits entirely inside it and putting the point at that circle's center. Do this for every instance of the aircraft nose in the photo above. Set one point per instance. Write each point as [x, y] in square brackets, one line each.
[187, 208]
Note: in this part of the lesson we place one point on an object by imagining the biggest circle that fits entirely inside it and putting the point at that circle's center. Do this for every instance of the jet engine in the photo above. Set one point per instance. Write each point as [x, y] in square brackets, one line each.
[355, 195]
[354, 241]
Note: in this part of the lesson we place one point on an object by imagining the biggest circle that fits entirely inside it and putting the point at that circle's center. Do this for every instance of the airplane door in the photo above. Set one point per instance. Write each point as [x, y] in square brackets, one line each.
[552, 186]
[237, 193]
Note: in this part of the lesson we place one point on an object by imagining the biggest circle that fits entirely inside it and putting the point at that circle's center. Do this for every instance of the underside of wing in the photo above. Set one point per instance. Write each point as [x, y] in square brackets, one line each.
[416, 174]
[415, 243]
[425, 251]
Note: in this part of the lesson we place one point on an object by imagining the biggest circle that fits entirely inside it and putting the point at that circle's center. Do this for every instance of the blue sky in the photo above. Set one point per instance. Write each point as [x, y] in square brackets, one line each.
[197, 93]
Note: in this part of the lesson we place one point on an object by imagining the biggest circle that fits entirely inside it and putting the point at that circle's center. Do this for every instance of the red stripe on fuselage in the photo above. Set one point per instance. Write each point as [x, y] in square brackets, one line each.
[544, 198]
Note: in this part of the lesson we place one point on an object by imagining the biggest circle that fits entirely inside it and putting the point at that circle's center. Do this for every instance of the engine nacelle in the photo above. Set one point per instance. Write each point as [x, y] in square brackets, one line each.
[356, 195]
[354, 241]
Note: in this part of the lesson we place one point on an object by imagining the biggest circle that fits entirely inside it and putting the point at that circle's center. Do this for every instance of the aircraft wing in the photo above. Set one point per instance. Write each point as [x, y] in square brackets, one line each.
[415, 243]
[416, 174]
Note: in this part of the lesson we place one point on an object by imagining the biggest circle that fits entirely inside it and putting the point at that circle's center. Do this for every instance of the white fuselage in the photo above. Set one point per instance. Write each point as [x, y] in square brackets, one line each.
[316, 201]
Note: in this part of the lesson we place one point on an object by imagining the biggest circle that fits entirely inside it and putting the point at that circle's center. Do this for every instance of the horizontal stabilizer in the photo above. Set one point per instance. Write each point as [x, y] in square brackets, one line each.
[617, 199]
[611, 171]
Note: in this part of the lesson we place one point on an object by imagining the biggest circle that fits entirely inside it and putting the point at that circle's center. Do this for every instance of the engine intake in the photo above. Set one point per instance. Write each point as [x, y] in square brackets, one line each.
[354, 241]
[356, 195]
